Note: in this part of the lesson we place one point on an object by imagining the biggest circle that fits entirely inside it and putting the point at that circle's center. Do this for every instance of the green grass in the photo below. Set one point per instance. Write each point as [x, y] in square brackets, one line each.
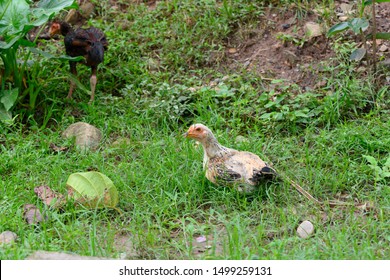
[145, 95]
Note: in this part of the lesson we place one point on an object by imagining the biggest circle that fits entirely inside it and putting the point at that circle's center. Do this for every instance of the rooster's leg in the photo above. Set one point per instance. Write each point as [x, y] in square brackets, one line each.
[73, 70]
[93, 81]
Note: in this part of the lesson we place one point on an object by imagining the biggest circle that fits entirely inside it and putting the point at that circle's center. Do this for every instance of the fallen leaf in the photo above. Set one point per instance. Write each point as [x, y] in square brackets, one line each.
[49, 197]
[57, 149]
[32, 214]
[93, 189]
[358, 54]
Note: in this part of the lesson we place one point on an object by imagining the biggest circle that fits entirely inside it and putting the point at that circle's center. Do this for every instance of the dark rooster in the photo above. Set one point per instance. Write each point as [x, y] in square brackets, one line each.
[90, 43]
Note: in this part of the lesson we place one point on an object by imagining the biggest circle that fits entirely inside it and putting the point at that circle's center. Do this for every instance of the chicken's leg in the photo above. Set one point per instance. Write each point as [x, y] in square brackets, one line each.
[93, 81]
[73, 70]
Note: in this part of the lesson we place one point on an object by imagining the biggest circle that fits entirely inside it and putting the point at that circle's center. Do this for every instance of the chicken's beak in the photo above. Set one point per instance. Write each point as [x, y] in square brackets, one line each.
[185, 135]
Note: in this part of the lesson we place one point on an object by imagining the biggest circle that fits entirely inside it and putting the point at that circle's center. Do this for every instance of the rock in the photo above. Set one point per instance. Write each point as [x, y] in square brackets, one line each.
[232, 50]
[45, 255]
[312, 29]
[87, 9]
[383, 48]
[343, 18]
[7, 237]
[347, 8]
[87, 136]
[73, 17]
[290, 58]
[305, 229]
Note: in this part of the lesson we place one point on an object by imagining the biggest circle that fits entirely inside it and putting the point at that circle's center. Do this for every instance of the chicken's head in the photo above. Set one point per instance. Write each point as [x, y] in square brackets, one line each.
[198, 132]
[55, 28]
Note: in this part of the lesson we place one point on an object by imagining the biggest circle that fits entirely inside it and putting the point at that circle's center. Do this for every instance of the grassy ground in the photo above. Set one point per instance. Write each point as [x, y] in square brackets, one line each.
[154, 83]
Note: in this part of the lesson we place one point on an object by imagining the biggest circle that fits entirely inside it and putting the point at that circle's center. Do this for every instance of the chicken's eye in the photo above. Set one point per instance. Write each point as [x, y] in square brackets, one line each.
[198, 129]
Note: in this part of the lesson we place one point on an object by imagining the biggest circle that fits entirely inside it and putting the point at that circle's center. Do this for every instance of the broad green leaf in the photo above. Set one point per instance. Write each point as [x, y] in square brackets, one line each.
[369, 2]
[300, 114]
[387, 163]
[92, 189]
[5, 116]
[358, 25]
[266, 116]
[358, 54]
[9, 98]
[380, 35]
[51, 56]
[371, 160]
[337, 28]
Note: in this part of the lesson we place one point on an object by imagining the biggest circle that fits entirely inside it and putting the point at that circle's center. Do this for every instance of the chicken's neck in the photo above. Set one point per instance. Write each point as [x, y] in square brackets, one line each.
[65, 28]
[212, 149]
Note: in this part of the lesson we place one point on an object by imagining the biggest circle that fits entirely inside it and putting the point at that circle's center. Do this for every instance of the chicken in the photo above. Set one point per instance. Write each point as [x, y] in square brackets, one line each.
[90, 43]
[228, 167]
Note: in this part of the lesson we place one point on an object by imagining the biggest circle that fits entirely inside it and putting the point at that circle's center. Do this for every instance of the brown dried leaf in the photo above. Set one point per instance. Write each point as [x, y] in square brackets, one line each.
[32, 214]
[49, 197]
[57, 149]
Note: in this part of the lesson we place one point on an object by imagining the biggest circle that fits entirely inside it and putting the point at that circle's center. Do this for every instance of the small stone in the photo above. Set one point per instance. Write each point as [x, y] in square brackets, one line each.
[347, 8]
[313, 29]
[73, 17]
[201, 239]
[7, 237]
[232, 50]
[305, 229]
[87, 136]
[87, 9]
[343, 18]
[383, 48]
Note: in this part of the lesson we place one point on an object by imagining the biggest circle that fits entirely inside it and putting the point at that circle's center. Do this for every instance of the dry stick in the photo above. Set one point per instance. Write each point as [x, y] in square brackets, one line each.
[308, 195]
[373, 37]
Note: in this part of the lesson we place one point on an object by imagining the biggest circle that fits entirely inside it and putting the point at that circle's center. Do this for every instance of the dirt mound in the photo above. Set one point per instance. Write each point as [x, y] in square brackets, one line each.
[279, 48]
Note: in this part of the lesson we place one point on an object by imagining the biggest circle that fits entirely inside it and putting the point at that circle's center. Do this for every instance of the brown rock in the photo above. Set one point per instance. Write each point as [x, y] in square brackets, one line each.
[45, 255]
[87, 9]
[87, 136]
[7, 237]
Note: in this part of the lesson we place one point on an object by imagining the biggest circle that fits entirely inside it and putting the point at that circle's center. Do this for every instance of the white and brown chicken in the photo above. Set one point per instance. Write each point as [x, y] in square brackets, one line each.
[228, 167]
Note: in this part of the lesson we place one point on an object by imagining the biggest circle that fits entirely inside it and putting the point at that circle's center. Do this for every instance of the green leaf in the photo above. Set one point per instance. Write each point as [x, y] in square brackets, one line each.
[337, 28]
[300, 114]
[380, 35]
[92, 189]
[358, 54]
[52, 56]
[369, 2]
[5, 116]
[358, 25]
[9, 98]
[266, 116]
[371, 160]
